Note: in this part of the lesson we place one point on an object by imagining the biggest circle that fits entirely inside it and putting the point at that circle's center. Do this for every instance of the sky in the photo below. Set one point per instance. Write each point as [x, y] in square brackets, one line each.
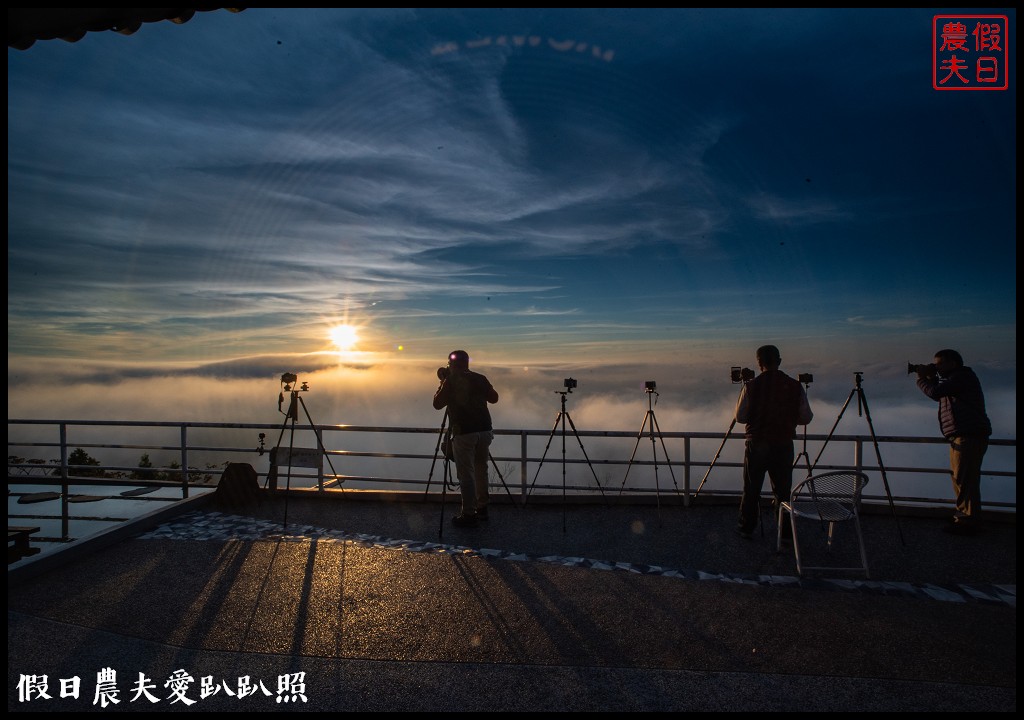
[612, 195]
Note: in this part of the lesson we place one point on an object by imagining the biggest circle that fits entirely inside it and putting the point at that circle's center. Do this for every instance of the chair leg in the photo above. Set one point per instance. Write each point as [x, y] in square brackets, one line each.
[778, 530]
[863, 552]
[796, 546]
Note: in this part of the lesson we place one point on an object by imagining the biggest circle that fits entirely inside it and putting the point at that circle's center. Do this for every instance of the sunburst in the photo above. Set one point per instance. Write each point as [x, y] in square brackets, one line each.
[344, 337]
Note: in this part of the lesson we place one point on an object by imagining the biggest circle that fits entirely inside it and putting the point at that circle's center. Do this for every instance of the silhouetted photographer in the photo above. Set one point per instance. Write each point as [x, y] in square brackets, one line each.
[466, 394]
[964, 422]
[771, 405]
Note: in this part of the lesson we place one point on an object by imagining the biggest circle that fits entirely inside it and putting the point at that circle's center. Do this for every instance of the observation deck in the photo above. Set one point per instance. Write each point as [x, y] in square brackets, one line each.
[371, 600]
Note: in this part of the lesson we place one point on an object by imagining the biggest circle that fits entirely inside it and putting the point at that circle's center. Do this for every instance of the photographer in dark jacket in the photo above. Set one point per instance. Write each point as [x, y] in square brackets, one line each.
[466, 395]
[964, 422]
[771, 405]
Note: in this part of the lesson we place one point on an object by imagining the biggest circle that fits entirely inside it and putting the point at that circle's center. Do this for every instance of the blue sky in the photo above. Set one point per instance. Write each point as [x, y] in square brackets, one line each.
[608, 193]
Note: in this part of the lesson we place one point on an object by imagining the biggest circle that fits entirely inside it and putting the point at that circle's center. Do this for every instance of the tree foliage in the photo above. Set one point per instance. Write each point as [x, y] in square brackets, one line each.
[85, 461]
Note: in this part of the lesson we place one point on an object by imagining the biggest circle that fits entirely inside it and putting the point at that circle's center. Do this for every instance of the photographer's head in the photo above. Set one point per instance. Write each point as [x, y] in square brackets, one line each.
[458, 360]
[948, 360]
[951, 356]
[768, 357]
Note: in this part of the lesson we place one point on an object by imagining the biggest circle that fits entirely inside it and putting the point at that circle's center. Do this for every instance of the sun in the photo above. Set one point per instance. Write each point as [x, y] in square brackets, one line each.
[344, 337]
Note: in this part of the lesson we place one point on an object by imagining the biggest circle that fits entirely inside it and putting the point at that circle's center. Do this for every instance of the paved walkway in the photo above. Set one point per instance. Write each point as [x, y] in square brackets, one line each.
[365, 605]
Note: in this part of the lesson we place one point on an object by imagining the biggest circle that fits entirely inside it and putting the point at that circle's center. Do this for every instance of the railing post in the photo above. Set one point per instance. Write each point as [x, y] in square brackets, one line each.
[858, 455]
[184, 461]
[322, 449]
[686, 471]
[522, 464]
[64, 520]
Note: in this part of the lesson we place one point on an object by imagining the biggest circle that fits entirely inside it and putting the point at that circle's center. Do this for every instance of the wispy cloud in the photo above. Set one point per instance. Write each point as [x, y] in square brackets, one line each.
[231, 196]
[883, 322]
[779, 209]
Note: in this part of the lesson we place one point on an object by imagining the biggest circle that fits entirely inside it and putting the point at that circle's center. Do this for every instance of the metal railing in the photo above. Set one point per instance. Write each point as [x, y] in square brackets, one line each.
[408, 460]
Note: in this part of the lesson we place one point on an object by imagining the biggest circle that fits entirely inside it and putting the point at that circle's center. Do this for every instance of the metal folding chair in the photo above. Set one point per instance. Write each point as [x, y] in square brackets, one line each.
[829, 498]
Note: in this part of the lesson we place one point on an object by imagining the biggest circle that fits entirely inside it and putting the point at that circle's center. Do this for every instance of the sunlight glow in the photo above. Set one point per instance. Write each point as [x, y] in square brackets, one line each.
[344, 337]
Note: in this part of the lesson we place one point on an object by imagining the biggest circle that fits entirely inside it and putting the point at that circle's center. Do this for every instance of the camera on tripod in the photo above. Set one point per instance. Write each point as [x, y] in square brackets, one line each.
[650, 386]
[569, 384]
[928, 369]
[805, 378]
[289, 379]
[742, 375]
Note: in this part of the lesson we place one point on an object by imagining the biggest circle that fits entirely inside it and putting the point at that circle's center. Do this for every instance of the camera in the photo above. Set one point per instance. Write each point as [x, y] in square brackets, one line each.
[650, 386]
[290, 379]
[569, 384]
[805, 378]
[442, 373]
[928, 369]
[742, 375]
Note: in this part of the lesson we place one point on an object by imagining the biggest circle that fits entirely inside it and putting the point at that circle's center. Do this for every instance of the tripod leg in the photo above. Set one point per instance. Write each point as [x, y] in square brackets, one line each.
[881, 467]
[834, 426]
[288, 486]
[654, 454]
[502, 478]
[564, 415]
[664, 450]
[444, 490]
[546, 447]
[803, 454]
[635, 446]
[320, 443]
[437, 446]
[576, 433]
[272, 472]
[715, 459]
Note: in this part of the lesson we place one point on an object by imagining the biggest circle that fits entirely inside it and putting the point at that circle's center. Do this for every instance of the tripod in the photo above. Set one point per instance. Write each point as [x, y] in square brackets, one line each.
[562, 416]
[862, 410]
[443, 445]
[291, 418]
[718, 454]
[744, 377]
[446, 447]
[650, 417]
[803, 453]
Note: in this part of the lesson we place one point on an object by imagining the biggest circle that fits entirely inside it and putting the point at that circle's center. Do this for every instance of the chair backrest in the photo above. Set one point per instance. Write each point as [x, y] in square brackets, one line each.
[294, 457]
[835, 494]
[297, 457]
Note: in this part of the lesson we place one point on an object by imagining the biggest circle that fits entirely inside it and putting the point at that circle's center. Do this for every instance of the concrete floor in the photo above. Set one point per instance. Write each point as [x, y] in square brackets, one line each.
[379, 605]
